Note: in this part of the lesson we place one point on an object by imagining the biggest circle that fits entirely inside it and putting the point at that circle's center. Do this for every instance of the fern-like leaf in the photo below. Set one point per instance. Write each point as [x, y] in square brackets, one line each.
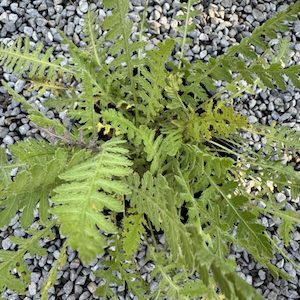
[18, 58]
[17, 196]
[133, 229]
[91, 187]
[14, 260]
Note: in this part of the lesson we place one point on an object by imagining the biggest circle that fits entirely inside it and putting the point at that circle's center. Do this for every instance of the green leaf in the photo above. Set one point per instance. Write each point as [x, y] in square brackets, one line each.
[91, 187]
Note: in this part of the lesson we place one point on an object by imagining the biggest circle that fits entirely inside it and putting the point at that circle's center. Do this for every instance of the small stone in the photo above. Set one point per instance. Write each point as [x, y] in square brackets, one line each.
[28, 30]
[272, 296]
[8, 140]
[4, 3]
[248, 9]
[262, 274]
[252, 119]
[78, 289]
[155, 26]
[6, 244]
[279, 102]
[249, 279]
[84, 296]
[83, 6]
[68, 287]
[156, 15]
[24, 129]
[280, 197]
[80, 280]
[70, 28]
[32, 289]
[3, 132]
[41, 22]
[56, 252]
[203, 37]
[75, 264]
[19, 85]
[92, 287]
[13, 18]
[49, 37]
[12, 126]
[4, 17]
[10, 27]
[258, 15]
[203, 54]
[252, 103]
[35, 277]
[226, 3]
[174, 24]
[280, 264]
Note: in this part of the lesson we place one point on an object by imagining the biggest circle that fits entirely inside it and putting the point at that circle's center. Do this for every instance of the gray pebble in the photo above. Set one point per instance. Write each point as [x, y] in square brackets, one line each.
[80, 280]
[24, 129]
[258, 15]
[252, 119]
[84, 295]
[4, 17]
[3, 132]
[203, 37]
[252, 103]
[280, 197]
[6, 244]
[83, 6]
[262, 274]
[68, 287]
[28, 30]
[32, 289]
[8, 140]
[19, 85]
[35, 277]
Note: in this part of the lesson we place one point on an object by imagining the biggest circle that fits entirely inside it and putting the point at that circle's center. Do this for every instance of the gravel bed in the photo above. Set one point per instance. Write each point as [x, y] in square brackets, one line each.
[221, 24]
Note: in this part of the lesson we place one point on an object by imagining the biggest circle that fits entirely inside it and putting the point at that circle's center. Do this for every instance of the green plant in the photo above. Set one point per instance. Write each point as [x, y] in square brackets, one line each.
[149, 152]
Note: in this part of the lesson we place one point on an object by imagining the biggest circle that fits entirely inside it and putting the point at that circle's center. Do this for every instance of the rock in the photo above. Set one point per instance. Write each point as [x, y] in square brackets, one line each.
[10, 27]
[280, 264]
[80, 280]
[252, 103]
[41, 22]
[280, 197]
[6, 244]
[24, 129]
[226, 3]
[13, 18]
[83, 6]
[262, 274]
[4, 17]
[68, 287]
[272, 296]
[258, 15]
[92, 287]
[75, 264]
[4, 3]
[3, 132]
[252, 119]
[156, 15]
[32, 289]
[28, 30]
[35, 277]
[155, 26]
[248, 9]
[85, 295]
[8, 140]
[19, 85]
[203, 37]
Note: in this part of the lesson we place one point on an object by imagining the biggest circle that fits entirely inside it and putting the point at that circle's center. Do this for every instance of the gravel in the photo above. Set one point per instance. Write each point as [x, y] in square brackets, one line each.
[221, 24]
